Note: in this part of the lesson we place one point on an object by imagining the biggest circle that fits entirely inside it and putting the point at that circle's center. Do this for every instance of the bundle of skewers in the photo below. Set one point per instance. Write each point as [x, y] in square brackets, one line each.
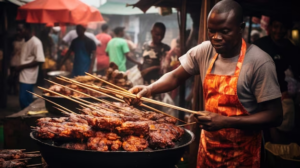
[109, 126]
[113, 75]
[17, 158]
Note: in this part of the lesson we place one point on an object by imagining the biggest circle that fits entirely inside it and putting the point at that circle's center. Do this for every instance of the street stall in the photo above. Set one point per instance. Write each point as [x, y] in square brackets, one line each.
[87, 119]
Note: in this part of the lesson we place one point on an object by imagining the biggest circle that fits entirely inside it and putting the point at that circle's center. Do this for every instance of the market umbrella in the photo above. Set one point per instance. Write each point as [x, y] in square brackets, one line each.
[58, 11]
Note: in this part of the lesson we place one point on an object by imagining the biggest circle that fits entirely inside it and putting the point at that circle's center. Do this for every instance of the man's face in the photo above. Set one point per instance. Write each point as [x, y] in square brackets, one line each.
[157, 35]
[21, 31]
[277, 30]
[224, 32]
[122, 33]
[80, 31]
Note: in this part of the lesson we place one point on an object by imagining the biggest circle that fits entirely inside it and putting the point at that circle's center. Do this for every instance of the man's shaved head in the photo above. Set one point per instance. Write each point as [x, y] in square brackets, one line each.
[225, 27]
[226, 6]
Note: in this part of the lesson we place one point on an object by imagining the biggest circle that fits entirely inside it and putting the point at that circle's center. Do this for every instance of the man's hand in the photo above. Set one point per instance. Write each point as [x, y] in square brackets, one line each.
[211, 121]
[140, 91]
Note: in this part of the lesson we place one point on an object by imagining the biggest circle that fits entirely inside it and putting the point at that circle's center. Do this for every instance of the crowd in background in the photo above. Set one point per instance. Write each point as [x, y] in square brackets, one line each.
[79, 51]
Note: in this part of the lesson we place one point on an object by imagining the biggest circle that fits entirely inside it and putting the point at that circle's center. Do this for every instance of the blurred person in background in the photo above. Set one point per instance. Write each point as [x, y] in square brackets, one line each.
[154, 52]
[55, 38]
[13, 78]
[84, 53]
[255, 35]
[49, 52]
[132, 48]
[71, 35]
[102, 57]
[118, 51]
[285, 56]
[32, 55]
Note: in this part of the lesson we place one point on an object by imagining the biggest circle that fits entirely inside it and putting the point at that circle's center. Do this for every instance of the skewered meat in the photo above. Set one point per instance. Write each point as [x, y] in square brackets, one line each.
[133, 143]
[126, 128]
[102, 122]
[76, 146]
[164, 135]
[167, 120]
[17, 156]
[64, 131]
[134, 128]
[116, 145]
[10, 151]
[152, 115]
[98, 143]
[12, 164]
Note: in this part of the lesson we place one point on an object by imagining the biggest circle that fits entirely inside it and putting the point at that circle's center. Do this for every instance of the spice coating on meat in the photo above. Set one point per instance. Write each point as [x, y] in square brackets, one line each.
[133, 143]
[133, 128]
[110, 127]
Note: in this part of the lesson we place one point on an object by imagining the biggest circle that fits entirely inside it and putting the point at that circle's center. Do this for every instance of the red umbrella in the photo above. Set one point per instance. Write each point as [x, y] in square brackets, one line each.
[58, 11]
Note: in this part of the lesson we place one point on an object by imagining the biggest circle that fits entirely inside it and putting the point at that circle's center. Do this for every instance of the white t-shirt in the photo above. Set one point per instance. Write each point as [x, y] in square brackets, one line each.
[71, 35]
[32, 50]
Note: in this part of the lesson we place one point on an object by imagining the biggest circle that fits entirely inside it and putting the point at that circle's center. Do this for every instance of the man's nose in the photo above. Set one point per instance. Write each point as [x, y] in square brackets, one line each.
[217, 36]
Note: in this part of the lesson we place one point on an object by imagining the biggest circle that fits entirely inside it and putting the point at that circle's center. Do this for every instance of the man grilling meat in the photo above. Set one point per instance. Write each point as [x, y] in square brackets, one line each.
[241, 91]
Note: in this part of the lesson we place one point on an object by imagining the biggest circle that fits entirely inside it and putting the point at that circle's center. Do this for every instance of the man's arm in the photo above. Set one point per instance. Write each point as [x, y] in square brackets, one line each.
[29, 65]
[269, 116]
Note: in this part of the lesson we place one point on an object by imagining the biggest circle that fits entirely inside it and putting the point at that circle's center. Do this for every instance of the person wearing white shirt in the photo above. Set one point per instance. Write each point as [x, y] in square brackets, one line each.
[71, 35]
[31, 57]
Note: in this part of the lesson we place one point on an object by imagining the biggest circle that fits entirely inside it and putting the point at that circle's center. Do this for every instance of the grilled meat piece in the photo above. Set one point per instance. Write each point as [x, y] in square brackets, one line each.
[133, 143]
[76, 146]
[102, 122]
[167, 120]
[164, 135]
[112, 136]
[134, 128]
[10, 151]
[12, 164]
[116, 145]
[152, 115]
[61, 130]
[18, 156]
[98, 143]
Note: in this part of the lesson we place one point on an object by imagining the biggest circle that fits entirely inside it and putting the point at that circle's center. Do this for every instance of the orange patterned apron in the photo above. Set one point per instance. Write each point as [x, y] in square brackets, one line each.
[227, 147]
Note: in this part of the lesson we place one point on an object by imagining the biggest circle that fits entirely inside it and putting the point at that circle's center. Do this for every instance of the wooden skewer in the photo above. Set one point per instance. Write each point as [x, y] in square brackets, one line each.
[51, 102]
[130, 95]
[120, 88]
[186, 124]
[66, 97]
[102, 101]
[97, 110]
[63, 111]
[143, 105]
[33, 165]
[32, 152]
[88, 87]
[102, 80]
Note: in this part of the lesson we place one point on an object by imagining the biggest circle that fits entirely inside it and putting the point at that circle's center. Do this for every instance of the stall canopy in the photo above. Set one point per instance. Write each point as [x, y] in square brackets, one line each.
[250, 7]
[119, 8]
[58, 11]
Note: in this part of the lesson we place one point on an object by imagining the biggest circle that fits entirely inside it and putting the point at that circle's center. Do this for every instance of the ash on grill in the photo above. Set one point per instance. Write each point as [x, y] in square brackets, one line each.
[111, 127]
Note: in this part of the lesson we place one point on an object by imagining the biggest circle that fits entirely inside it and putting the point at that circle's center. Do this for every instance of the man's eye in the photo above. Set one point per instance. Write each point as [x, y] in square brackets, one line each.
[225, 31]
[211, 31]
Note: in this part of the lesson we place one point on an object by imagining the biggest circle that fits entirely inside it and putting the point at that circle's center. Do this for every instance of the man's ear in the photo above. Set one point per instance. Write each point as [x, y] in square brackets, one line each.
[243, 25]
